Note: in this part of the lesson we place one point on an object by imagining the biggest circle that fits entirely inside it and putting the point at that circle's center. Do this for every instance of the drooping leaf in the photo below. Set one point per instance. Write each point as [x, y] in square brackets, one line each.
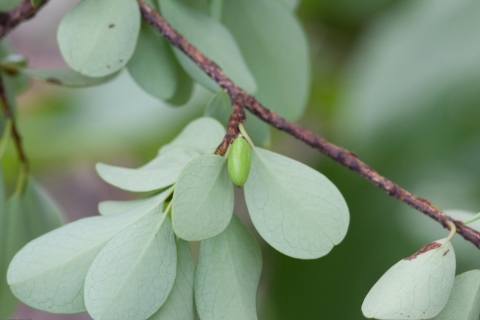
[203, 199]
[97, 38]
[12, 237]
[212, 39]
[157, 174]
[180, 304]
[131, 277]
[41, 213]
[153, 65]
[184, 88]
[65, 77]
[416, 287]
[49, 272]
[107, 208]
[202, 135]
[227, 275]
[296, 209]
[276, 50]
[464, 301]
[220, 108]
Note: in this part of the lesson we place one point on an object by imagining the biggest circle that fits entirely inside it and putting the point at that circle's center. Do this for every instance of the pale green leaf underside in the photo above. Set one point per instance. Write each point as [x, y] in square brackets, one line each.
[107, 208]
[290, 4]
[227, 275]
[153, 66]
[97, 38]
[131, 277]
[203, 199]
[12, 238]
[65, 77]
[416, 287]
[202, 135]
[464, 301]
[49, 272]
[180, 304]
[213, 40]
[296, 209]
[276, 51]
[157, 174]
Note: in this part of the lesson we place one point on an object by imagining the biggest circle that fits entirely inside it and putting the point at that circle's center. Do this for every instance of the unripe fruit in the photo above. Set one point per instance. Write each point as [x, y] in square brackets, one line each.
[239, 160]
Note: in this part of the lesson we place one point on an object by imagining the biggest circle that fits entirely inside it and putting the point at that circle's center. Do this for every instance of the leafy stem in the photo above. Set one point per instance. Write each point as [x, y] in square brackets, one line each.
[346, 158]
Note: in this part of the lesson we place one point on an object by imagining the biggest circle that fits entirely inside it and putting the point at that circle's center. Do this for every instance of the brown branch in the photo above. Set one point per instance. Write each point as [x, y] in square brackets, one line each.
[342, 156]
[8, 112]
[238, 116]
[24, 11]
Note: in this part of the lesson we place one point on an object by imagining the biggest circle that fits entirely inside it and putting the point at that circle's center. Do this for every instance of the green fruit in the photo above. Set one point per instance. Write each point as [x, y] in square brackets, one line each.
[239, 160]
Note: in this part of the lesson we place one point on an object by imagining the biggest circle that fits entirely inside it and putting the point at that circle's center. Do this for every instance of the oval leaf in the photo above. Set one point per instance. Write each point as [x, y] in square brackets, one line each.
[464, 301]
[157, 174]
[97, 38]
[153, 65]
[133, 274]
[180, 304]
[296, 209]
[213, 40]
[276, 50]
[203, 199]
[65, 77]
[202, 135]
[417, 287]
[228, 272]
[49, 272]
[107, 208]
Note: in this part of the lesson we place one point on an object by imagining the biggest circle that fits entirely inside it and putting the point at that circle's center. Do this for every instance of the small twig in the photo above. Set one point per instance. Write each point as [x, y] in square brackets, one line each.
[337, 154]
[24, 11]
[17, 139]
[236, 118]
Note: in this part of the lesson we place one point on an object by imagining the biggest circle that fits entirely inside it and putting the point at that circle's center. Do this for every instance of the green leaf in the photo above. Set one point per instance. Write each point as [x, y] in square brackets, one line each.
[416, 287]
[97, 38]
[153, 65]
[49, 272]
[216, 9]
[296, 209]
[276, 50]
[202, 135]
[12, 238]
[213, 40]
[41, 213]
[180, 304]
[228, 273]
[157, 174]
[220, 108]
[464, 301]
[107, 208]
[14, 60]
[203, 199]
[133, 274]
[184, 88]
[65, 77]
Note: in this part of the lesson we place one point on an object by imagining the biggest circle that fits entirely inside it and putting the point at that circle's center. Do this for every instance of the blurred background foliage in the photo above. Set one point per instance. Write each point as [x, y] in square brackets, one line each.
[394, 81]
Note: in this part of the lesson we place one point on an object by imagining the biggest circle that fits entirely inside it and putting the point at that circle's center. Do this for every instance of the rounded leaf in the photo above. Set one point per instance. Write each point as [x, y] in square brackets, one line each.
[228, 273]
[131, 277]
[464, 301]
[296, 209]
[203, 199]
[417, 287]
[159, 173]
[97, 38]
[239, 161]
